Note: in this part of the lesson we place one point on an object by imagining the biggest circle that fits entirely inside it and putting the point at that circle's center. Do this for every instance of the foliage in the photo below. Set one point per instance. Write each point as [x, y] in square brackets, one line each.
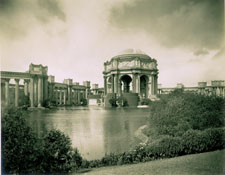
[46, 103]
[25, 100]
[178, 112]
[24, 152]
[195, 141]
[84, 102]
[57, 153]
[20, 149]
[145, 101]
[113, 102]
[122, 101]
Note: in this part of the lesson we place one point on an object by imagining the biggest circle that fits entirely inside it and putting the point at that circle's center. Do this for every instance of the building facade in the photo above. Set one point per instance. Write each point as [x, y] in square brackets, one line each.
[216, 87]
[40, 87]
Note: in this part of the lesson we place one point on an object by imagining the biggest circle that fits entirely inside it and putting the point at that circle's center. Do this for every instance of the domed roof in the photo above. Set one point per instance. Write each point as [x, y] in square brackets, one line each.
[131, 51]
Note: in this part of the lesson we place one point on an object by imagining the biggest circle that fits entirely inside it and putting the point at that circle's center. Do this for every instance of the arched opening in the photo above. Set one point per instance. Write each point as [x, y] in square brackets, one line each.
[144, 86]
[125, 81]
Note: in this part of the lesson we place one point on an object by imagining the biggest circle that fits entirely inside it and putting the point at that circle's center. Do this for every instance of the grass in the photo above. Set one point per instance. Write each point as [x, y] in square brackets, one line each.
[210, 163]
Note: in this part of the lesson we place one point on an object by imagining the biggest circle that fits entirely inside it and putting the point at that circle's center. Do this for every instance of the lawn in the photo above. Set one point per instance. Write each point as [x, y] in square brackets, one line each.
[210, 163]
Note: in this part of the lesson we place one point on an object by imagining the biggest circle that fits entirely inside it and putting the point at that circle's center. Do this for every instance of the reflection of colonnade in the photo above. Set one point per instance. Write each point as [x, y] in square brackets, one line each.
[39, 88]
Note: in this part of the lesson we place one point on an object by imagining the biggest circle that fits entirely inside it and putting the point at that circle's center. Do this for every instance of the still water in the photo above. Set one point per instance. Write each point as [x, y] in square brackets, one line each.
[94, 130]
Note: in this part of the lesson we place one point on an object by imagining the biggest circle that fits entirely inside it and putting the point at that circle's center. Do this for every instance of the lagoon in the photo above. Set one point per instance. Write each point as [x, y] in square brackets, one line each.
[94, 130]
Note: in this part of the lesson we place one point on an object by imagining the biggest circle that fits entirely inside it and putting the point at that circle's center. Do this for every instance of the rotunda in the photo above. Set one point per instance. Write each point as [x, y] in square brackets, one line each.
[131, 72]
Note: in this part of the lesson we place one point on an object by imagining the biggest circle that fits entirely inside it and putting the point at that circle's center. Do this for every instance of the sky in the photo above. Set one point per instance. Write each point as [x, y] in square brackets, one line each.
[75, 37]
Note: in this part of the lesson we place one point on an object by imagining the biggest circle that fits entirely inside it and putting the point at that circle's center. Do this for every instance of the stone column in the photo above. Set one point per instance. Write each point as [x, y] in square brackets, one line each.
[17, 92]
[64, 97]
[156, 85]
[31, 84]
[26, 81]
[60, 96]
[40, 91]
[112, 83]
[69, 95]
[78, 97]
[35, 92]
[134, 83]
[152, 85]
[45, 88]
[7, 91]
[105, 85]
[116, 83]
[138, 84]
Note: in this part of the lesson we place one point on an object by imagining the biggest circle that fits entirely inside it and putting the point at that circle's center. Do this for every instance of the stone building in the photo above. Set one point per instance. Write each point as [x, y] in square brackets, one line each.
[216, 87]
[131, 74]
[39, 87]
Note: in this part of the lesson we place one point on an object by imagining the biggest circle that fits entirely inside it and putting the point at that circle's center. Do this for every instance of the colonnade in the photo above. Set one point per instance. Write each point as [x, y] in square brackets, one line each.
[113, 83]
[68, 96]
[34, 87]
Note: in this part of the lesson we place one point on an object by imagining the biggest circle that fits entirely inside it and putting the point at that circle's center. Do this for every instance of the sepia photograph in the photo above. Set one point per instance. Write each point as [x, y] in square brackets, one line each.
[112, 87]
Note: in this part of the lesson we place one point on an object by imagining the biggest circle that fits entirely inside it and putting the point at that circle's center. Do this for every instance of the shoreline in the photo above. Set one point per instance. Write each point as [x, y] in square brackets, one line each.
[140, 135]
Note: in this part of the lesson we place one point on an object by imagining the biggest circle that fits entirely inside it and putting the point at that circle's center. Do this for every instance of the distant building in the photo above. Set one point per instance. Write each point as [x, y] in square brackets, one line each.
[217, 87]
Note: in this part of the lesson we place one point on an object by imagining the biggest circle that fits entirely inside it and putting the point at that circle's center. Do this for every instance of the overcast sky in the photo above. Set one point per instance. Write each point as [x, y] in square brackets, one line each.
[75, 37]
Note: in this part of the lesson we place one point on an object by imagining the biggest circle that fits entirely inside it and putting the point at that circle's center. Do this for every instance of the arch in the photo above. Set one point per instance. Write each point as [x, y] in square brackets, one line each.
[144, 80]
[125, 83]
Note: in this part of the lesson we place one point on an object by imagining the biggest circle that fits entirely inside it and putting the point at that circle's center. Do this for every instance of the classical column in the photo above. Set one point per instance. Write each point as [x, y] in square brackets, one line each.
[26, 81]
[7, 91]
[45, 88]
[17, 92]
[64, 96]
[112, 83]
[138, 84]
[156, 85]
[134, 83]
[40, 91]
[152, 84]
[60, 96]
[69, 95]
[78, 97]
[31, 84]
[105, 85]
[116, 83]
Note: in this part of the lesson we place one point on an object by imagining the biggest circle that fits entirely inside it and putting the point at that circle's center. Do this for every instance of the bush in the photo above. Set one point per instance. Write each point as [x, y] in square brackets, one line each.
[84, 102]
[178, 112]
[145, 101]
[113, 101]
[122, 101]
[195, 141]
[24, 152]
[20, 149]
[57, 153]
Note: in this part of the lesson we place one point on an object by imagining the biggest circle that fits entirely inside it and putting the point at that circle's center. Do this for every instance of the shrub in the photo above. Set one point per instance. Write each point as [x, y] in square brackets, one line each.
[178, 112]
[122, 101]
[84, 102]
[57, 153]
[145, 101]
[113, 101]
[20, 149]
[195, 141]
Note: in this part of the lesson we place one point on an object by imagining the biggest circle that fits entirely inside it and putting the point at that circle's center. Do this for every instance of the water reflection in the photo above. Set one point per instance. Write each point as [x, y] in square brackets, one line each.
[95, 131]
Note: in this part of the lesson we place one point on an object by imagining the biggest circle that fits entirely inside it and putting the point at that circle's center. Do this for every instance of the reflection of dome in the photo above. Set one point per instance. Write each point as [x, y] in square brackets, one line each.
[131, 51]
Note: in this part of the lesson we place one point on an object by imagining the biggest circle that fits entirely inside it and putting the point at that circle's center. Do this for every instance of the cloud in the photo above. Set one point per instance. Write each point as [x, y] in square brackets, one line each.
[201, 52]
[189, 24]
[17, 18]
